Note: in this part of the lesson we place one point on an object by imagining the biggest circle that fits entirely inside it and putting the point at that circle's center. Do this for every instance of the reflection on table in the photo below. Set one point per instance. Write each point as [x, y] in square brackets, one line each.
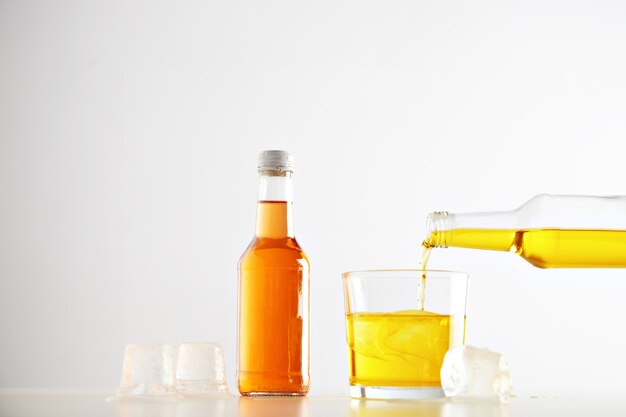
[426, 408]
[273, 406]
[32, 403]
[181, 407]
[305, 407]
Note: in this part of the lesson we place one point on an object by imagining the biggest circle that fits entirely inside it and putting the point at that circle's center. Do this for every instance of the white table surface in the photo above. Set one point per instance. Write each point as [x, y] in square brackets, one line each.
[35, 403]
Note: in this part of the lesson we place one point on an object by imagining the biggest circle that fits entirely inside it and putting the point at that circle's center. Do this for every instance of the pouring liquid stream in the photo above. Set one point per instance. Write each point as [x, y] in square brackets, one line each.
[424, 254]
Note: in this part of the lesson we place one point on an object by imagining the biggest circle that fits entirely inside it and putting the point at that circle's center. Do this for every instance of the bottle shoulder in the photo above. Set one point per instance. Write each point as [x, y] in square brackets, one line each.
[274, 252]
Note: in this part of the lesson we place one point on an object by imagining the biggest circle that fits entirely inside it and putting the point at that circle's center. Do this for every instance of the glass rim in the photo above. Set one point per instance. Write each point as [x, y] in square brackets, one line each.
[364, 272]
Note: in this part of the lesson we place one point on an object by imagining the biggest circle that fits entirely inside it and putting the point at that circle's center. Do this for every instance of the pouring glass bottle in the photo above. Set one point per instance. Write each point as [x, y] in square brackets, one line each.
[549, 231]
[273, 351]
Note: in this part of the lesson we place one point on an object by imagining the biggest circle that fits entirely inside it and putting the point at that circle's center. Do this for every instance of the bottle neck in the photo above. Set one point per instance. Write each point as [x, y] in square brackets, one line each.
[441, 222]
[275, 205]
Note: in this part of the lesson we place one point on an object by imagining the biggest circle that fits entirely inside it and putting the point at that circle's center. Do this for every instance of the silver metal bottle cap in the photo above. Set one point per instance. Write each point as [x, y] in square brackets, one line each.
[276, 160]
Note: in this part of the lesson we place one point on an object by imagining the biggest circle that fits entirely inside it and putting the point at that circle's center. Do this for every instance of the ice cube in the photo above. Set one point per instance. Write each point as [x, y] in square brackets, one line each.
[475, 373]
[147, 371]
[200, 369]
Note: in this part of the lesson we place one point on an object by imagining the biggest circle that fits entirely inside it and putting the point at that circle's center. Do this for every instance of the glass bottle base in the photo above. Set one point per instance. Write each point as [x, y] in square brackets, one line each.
[388, 393]
[273, 394]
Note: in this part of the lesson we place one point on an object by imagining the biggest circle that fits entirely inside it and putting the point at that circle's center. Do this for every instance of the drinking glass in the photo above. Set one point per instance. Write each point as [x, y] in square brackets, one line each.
[399, 326]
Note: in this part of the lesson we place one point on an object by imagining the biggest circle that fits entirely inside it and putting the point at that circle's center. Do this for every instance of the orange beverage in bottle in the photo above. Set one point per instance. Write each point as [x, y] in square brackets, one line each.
[273, 354]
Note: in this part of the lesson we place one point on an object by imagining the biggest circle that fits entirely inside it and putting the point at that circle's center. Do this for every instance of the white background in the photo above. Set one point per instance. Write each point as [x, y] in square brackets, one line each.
[128, 139]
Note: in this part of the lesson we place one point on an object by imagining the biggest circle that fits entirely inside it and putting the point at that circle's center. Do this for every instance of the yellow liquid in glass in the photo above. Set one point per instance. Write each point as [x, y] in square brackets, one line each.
[544, 248]
[404, 348]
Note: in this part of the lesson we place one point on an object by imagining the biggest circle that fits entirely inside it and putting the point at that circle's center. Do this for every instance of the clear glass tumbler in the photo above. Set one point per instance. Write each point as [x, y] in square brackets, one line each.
[399, 326]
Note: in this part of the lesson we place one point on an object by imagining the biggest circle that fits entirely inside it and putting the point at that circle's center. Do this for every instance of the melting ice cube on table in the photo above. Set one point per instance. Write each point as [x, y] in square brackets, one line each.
[200, 369]
[147, 371]
[475, 373]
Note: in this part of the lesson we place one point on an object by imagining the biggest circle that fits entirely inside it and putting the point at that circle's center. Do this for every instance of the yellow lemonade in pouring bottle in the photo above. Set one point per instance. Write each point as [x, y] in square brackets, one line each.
[548, 231]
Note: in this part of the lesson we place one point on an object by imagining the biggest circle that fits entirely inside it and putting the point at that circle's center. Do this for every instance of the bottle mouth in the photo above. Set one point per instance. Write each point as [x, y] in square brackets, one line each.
[275, 172]
[436, 222]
